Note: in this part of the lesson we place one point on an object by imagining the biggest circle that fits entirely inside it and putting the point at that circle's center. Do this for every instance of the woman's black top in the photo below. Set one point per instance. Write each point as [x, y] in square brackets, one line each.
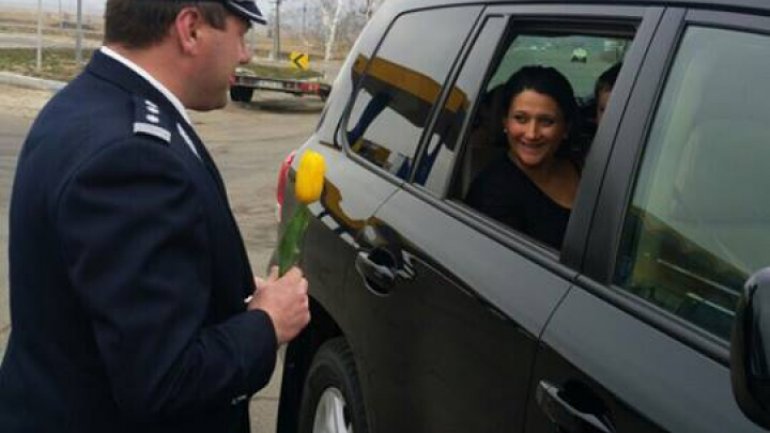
[503, 192]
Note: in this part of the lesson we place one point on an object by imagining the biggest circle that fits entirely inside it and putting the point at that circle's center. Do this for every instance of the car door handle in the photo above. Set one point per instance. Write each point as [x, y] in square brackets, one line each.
[565, 415]
[376, 269]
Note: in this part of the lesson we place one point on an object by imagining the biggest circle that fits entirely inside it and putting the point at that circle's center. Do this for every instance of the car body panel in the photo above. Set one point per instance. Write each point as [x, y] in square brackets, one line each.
[423, 342]
[646, 380]
[457, 323]
[644, 369]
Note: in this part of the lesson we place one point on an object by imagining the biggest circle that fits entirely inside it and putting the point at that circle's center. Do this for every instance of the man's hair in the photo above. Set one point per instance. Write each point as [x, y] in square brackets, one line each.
[606, 80]
[143, 23]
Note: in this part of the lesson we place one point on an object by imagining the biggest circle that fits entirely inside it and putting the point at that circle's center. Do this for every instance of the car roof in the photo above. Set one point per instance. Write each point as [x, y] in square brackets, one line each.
[754, 6]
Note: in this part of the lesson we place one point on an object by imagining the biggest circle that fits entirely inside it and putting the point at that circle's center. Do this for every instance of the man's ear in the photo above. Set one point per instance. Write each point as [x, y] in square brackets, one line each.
[187, 26]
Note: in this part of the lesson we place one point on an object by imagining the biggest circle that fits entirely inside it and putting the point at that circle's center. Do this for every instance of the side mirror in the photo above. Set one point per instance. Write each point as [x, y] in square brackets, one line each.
[750, 349]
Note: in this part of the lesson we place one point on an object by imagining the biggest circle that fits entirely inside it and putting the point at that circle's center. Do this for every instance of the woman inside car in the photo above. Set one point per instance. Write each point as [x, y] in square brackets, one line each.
[533, 187]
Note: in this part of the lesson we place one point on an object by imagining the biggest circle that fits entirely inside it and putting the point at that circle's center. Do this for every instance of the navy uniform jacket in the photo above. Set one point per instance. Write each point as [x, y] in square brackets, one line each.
[127, 273]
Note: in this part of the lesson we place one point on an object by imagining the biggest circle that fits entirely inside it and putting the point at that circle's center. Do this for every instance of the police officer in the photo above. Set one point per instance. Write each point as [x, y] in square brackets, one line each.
[127, 271]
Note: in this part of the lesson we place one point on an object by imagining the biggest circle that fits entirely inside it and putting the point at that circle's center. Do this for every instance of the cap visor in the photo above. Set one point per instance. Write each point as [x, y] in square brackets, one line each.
[250, 12]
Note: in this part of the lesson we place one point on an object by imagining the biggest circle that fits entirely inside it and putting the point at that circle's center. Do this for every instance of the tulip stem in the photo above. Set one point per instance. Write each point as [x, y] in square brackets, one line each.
[292, 238]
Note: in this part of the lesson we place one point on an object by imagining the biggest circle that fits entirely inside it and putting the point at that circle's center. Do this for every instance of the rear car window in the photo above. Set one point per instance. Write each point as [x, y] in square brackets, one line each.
[699, 220]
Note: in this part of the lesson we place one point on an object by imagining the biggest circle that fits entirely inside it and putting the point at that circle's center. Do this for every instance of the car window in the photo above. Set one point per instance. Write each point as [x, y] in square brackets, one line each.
[581, 58]
[401, 85]
[699, 221]
[486, 181]
[435, 165]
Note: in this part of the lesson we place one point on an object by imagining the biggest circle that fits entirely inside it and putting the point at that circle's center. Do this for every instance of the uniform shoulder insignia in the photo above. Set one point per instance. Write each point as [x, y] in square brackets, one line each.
[149, 120]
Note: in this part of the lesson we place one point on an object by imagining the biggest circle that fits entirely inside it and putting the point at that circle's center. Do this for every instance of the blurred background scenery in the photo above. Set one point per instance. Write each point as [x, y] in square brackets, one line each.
[52, 38]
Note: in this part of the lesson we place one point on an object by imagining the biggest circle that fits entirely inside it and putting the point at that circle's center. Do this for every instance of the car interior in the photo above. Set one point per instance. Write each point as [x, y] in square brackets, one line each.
[536, 44]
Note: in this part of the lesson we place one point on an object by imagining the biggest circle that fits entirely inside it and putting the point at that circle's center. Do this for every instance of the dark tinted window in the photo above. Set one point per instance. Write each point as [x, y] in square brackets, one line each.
[699, 221]
[435, 165]
[401, 84]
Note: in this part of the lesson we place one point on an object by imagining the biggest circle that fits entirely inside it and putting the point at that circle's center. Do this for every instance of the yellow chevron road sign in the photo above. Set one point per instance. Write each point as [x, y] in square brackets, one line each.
[299, 60]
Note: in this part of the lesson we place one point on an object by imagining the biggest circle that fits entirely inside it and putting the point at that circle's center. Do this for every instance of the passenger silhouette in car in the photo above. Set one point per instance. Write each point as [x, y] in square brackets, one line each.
[603, 89]
[532, 188]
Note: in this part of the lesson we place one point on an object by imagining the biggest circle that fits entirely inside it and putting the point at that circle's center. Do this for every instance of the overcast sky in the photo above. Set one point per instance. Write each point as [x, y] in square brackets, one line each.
[89, 6]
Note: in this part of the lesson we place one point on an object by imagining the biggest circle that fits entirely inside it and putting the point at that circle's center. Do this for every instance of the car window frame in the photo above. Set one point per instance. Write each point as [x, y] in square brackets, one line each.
[567, 261]
[624, 165]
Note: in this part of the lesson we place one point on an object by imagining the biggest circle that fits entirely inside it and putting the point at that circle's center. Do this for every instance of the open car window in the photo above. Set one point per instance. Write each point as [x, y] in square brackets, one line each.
[582, 52]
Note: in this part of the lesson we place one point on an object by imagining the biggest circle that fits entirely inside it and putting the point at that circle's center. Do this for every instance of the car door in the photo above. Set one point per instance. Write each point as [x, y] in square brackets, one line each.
[400, 84]
[450, 303]
[441, 350]
[641, 342]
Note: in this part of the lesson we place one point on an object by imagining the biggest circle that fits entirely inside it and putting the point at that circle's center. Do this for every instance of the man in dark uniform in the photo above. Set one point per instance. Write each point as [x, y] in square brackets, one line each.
[127, 271]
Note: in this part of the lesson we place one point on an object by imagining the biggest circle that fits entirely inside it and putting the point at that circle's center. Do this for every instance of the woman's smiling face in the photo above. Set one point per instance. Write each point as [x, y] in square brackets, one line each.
[535, 127]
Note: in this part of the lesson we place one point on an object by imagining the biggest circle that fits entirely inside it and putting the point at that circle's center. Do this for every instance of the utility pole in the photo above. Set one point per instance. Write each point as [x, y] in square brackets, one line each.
[79, 36]
[277, 31]
[39, 64]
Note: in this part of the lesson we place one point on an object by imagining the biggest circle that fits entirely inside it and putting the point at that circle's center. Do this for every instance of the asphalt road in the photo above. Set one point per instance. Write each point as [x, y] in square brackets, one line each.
[248, 142]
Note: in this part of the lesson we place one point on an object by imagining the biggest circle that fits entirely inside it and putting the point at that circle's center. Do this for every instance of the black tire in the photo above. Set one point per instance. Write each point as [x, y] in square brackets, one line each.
[241, 94]
[332, 373]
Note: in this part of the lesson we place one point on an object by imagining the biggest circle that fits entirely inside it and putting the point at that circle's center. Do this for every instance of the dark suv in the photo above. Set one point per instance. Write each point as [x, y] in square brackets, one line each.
[430, 316]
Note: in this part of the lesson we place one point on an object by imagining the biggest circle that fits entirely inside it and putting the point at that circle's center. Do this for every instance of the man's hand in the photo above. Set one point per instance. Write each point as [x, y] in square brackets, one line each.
[285, 301]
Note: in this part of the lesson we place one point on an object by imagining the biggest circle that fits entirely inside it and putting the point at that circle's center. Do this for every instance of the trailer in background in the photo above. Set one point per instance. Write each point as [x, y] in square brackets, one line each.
[245, 83]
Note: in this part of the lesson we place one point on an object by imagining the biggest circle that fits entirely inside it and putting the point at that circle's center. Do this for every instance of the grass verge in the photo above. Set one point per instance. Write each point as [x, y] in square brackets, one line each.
[57, 64]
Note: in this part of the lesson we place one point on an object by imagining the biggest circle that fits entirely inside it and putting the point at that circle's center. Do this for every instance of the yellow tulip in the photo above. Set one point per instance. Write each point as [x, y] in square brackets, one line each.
[310, 177]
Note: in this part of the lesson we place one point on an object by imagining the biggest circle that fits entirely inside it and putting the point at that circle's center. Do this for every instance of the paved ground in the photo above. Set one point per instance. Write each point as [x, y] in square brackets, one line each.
[247, 141]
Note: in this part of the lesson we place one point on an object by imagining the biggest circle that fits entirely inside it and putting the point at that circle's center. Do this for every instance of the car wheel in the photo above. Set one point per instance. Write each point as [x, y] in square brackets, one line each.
[241, 94]
[331, 398]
